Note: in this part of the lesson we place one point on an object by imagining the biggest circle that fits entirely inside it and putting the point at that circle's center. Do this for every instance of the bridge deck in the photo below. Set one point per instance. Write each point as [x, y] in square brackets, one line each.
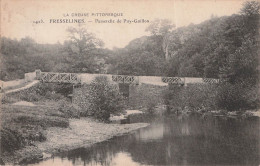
[86, 78]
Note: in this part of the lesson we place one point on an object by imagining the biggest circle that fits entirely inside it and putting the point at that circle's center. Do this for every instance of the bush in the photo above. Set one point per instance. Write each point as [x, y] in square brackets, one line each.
[104, 99]
[193, 97]
[68, 110]
[7, 99]
[21, 125]
[43, 121]
[40, 92]
[223, 96]
[239, 96]
[10, 140]
[150, 105]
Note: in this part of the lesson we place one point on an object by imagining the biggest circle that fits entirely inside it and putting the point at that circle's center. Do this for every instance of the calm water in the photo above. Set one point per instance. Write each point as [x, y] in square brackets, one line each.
[175, 141]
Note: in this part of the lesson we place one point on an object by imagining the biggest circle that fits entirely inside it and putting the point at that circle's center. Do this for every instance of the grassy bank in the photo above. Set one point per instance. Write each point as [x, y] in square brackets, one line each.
[23, 126]
[41, 120]
[29, 132]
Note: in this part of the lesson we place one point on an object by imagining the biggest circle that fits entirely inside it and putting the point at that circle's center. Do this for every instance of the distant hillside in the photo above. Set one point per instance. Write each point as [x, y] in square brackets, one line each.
[224, 47]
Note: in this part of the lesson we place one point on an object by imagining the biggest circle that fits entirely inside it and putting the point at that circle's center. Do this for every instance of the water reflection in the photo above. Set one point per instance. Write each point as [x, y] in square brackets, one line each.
[175, 141]
[151, 133]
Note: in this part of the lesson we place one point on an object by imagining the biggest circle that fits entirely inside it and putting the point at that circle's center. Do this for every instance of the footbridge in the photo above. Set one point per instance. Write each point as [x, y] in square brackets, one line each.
[86, 78]
[139, 90]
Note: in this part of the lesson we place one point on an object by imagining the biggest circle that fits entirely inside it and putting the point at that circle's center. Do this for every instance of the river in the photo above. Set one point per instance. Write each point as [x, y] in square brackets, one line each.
[192, 140]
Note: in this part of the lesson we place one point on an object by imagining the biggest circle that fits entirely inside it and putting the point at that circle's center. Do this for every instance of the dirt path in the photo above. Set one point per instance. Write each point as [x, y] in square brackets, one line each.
[22, 88]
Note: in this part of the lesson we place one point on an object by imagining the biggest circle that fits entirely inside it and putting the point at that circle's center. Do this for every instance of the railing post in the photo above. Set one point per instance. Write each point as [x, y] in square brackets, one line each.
[38, 74]
[185, 84]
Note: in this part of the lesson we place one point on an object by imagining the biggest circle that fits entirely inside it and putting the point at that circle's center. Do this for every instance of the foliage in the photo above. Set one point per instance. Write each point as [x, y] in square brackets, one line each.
[82, 52]
[250, 8]
[68, 110]
[221, 47]
[237, 97]
[141, 57]
[218, 48]
[82, 46]
[40, 92]
[160, 27]
[20, 126]
[104, 99]
[225, 96]
[151, 104]
[82, 41]
[10, 140]
[47, 122]
[192, 97]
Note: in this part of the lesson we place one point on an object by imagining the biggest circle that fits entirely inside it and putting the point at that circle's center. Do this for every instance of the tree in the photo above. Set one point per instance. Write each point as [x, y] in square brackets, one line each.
[83, 44]
[250, 8]
[82, 41]
[162, 27]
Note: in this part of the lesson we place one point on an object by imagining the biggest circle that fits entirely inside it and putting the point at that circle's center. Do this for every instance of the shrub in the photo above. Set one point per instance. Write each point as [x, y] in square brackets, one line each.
[21, 125]
[223, 96]
[40, 92]
[43, 121]
[104, 99]
[193, 97]
[7, 99]
[68, 110]
[237, 96]
[10, 140]
[150, 105]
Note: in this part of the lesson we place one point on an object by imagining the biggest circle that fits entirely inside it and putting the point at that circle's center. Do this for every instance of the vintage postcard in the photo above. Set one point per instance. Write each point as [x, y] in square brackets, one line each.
[129, 83]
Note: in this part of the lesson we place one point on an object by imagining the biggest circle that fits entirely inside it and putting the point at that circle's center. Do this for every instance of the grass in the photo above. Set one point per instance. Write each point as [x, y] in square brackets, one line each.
[39, 93]
[23, 125]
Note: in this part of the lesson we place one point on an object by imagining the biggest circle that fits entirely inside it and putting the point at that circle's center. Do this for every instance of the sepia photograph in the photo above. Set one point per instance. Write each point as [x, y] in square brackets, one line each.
[129, 82]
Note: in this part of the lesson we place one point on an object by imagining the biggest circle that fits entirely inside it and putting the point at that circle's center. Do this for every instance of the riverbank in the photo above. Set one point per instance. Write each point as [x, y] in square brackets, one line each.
[80, 133]
[83, 132]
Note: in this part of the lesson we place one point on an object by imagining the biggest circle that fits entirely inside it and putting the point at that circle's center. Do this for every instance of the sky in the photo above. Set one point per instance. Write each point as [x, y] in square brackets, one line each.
[18, 17]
